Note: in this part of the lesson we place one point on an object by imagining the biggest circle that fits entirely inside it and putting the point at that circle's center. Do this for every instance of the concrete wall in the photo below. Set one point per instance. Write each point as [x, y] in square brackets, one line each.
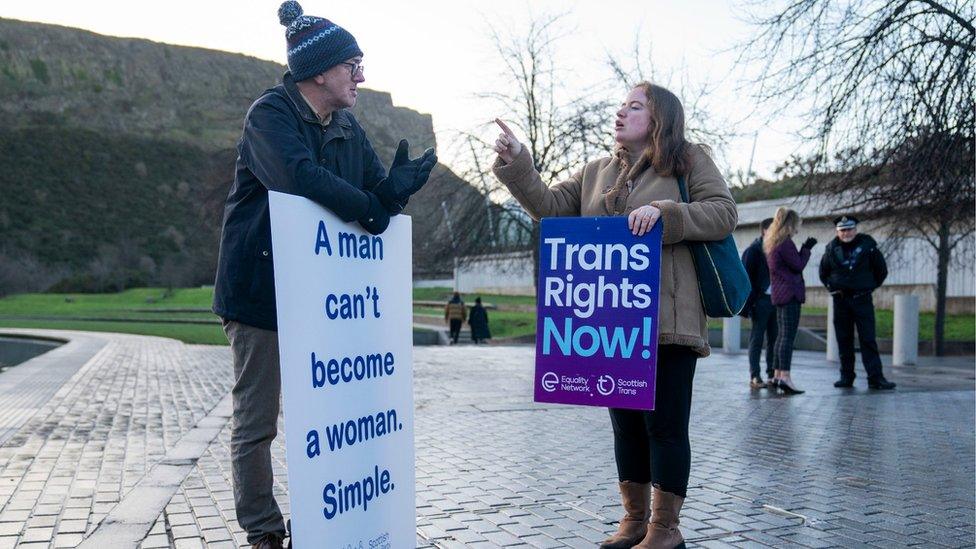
[499, 273]
[911, 262]
[434, 283]
[884, 298]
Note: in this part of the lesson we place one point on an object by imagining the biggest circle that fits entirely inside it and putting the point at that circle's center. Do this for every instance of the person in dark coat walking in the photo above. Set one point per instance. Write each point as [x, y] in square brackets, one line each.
[786, 265]
[299, 139]
[455, 313]
[478, 321]
[759, 308]
[852, 267]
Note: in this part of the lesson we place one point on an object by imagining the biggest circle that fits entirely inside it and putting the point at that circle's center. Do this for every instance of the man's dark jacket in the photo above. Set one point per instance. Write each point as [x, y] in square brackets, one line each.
[285, 148]
[862, 270]
[754, 260]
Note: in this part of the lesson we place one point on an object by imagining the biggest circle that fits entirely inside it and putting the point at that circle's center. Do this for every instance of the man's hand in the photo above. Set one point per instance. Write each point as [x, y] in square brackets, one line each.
[507, 145]
[377, 218]
[406, 177]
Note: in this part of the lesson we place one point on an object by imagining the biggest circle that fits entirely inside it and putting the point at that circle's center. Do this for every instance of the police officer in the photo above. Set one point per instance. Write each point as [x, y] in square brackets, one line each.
[852, 267]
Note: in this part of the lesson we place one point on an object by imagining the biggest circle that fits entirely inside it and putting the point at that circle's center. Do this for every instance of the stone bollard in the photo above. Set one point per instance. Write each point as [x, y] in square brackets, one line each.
[833, 354]
[904, 349]
[732, 335]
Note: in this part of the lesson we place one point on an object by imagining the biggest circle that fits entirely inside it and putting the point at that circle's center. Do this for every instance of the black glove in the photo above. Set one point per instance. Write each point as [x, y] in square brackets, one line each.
[406, 177]
[377, 219]
[809, 243]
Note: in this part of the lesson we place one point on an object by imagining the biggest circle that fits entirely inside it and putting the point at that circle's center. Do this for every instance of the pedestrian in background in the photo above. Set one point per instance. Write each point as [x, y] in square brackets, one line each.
[478, 321]
[454, 314]
[786, 265]
[759, 308]
[852, 267]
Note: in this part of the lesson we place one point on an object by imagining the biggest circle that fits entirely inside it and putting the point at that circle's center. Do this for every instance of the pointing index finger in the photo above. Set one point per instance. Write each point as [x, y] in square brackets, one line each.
[504, 127]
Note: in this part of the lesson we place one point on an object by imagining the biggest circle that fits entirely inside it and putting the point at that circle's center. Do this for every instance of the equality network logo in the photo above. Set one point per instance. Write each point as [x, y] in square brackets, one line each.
[550, 381]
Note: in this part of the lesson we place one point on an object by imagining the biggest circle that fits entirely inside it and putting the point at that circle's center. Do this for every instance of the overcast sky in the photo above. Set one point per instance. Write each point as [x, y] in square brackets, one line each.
[435, 55]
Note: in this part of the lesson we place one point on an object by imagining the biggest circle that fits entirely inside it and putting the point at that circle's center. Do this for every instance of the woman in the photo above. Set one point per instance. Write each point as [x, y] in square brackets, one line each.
[652, 449]
[787, 288]
[478, 321]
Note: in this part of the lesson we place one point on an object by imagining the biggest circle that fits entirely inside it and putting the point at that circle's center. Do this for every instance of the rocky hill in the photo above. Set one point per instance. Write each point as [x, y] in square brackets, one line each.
[78, 78]
[116, 153]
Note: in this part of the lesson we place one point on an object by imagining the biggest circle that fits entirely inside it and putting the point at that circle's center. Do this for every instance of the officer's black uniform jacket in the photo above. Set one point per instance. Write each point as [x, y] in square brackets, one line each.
[863, 271]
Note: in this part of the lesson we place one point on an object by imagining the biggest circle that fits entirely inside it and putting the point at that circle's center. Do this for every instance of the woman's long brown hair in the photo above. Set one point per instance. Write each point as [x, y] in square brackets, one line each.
[786, 223]
[667, 150]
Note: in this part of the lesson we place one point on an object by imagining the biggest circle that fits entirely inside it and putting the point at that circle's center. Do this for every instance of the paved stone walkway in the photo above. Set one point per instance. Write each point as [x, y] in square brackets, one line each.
[830, 468]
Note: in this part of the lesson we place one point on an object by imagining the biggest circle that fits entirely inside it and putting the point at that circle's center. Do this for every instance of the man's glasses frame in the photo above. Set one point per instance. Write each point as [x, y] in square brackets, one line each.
[355, 69]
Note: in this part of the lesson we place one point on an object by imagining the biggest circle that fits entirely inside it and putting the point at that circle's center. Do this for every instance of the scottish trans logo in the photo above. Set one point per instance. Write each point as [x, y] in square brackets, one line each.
[605, 385]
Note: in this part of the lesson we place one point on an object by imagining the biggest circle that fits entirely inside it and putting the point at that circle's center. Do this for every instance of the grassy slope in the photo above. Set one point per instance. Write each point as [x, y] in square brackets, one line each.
[95, 189]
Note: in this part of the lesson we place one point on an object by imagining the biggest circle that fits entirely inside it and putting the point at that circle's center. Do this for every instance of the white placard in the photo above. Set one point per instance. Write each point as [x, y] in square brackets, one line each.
[345, 335]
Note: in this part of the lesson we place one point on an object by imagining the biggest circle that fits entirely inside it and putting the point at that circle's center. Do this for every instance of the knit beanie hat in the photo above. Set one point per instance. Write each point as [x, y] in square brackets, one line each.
[315, 45]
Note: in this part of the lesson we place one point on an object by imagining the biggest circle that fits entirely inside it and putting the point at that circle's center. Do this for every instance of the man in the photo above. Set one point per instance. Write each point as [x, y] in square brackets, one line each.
[759, 307]
[478, 321]
[299, 139]
[852, 267]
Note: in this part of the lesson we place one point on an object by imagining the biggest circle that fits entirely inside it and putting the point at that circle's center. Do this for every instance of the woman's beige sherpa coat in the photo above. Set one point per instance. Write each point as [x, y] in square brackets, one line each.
[711, 215]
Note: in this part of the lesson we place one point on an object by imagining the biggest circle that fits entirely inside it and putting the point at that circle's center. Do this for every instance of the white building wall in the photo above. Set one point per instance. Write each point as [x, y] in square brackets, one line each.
[498, 273]
[912, 270]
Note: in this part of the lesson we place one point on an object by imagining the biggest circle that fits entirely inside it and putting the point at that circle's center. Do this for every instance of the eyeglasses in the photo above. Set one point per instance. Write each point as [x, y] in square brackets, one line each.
[355, 69]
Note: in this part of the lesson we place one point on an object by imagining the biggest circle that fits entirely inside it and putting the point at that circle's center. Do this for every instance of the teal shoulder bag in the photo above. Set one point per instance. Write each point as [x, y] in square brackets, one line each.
[722, 279]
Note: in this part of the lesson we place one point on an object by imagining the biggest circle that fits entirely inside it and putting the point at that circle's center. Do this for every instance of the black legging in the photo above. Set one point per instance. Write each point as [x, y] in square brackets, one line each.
[455, 329]
[654, 446]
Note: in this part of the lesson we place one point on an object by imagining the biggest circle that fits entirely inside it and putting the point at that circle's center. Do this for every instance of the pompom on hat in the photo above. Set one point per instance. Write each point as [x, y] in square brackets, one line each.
[315, 44]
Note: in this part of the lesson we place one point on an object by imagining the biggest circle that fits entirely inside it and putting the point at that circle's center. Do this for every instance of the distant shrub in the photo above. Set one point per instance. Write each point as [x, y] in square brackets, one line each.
[113, 75]
[40, 71]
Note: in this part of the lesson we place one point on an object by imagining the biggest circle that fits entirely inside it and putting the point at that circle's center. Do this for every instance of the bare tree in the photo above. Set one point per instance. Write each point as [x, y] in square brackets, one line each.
[453, 213]
[702, 123]
[562, 128]
[887, 92]
[21, 271]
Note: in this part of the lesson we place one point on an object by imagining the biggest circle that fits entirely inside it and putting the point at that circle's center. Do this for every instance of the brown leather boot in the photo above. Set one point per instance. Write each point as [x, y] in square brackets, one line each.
[637, 507]
[663, 531]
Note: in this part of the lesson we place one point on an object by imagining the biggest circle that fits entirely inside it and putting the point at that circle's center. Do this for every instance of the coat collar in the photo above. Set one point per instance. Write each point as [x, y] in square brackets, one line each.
[339, 126]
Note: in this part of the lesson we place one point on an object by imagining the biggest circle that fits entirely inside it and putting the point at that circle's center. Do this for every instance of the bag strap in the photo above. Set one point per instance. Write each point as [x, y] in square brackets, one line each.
[683, 189]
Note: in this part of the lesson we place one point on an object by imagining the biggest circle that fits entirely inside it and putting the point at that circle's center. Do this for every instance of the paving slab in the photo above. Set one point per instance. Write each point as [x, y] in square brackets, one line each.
[830, 468]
